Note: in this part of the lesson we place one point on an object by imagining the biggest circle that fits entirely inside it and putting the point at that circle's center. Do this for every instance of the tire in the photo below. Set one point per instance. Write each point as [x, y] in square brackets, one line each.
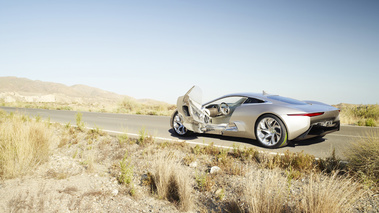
[271, 132]
[177, 125]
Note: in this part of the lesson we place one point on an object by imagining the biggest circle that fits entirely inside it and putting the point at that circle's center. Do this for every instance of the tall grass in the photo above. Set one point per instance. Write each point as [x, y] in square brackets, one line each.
[171, 181]
[24, 144]
[329, 194]
[363, 157]
[265, 191]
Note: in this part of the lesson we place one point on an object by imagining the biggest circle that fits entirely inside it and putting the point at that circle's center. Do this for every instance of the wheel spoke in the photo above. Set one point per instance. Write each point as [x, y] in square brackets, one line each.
[266, 136]
[267, 123]
[277, 135]
[273, 141]
[265, 131]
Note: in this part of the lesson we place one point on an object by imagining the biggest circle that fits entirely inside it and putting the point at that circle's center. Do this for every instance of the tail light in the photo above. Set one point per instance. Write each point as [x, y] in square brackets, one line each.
[308, 114]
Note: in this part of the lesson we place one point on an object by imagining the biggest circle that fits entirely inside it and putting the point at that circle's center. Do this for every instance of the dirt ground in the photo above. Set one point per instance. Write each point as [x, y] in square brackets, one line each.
[82, 173]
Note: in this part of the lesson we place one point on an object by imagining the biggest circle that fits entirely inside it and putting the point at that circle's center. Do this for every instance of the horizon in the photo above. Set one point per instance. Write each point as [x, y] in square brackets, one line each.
[155, 99]
[323, 51]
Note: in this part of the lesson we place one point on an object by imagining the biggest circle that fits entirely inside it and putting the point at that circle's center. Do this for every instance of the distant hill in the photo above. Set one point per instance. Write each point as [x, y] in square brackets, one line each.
[24, 86]
[25, 90]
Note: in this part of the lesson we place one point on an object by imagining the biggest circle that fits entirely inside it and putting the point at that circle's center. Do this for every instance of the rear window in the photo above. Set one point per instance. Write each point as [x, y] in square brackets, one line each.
[253, 101]
[286, 100]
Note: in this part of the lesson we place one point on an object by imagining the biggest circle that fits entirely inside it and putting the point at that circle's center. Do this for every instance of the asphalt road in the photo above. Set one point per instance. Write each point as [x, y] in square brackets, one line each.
[159, 126]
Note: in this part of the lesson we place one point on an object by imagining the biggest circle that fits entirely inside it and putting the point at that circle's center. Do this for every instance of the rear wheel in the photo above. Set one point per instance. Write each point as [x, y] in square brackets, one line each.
[177, 124]
[271, 132]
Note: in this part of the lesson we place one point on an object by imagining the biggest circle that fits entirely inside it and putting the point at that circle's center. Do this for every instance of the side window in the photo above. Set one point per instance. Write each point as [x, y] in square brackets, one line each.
[253, 101]
[234, 100]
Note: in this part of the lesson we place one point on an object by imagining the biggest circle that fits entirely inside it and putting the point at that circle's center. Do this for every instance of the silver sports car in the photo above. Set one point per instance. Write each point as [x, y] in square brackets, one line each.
[271, 119]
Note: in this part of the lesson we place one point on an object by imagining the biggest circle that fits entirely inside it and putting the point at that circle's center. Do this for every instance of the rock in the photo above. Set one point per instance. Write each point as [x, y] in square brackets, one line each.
[218, 191]
[115, 192]
[215, 169]
[193, 164]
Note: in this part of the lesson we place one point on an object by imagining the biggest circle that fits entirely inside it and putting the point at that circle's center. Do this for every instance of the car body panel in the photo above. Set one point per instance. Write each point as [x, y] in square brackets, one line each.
[243, 115]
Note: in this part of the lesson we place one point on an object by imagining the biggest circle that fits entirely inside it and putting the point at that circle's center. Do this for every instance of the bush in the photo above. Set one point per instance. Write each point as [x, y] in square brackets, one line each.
[171, 181]
[24, 144]
[362, 115]
[265, 191]
[144, 138]
[329, 194]
[370, 122]
[363, 157]
[126, 176]
[79, 123]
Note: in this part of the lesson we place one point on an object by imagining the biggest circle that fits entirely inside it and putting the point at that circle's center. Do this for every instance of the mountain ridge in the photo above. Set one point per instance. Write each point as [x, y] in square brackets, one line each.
[21, 89]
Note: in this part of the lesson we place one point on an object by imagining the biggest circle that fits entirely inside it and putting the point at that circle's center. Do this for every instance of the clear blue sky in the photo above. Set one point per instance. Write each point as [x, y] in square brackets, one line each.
[321, 50]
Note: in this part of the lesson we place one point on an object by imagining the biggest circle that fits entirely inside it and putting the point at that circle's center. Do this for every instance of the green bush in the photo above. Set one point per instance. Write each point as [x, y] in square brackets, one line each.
[370, 122]
[126, 176]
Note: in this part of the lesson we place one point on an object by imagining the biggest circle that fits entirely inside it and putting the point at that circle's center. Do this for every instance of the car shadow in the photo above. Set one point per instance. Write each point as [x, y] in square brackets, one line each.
[246, 141]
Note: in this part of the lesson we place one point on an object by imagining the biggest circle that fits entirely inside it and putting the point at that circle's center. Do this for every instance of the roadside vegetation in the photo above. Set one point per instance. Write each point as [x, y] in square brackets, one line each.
[363, 158]
[361, 115]
[170, 177]
[24, 144]
[128, 106]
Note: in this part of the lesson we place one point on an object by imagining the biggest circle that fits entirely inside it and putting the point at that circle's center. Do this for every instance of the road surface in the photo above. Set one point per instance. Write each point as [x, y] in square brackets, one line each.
[159, 126]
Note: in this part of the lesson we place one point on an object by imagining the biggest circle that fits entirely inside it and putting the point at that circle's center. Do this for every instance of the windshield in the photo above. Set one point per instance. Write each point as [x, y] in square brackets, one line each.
[231, 101]
[286, 100]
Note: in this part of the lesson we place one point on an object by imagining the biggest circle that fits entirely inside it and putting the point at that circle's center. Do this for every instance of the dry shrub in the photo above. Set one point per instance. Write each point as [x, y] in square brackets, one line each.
[205, 181]
[245, 154]
[24, 144]
[144, 138]
[363, 156]
[132, 106]
[229, 165]
[330, 164]
[329, 194]
[362, 115]
[211, 149]
[171, 181]
[265, 191]
[299, 161]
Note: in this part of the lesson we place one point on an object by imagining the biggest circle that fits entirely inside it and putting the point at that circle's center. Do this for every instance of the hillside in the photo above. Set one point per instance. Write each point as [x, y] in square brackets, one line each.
[23, 92]
[27, 87]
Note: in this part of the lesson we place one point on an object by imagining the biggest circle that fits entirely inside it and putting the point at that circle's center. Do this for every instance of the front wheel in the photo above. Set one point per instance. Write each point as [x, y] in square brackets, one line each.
[177, 125]
[271, 132]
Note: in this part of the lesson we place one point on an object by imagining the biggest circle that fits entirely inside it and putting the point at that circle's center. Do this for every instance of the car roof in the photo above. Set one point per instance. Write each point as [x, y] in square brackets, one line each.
[248, 94]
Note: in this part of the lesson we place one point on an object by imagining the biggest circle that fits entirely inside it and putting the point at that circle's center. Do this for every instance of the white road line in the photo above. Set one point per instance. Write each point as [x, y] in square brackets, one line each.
[178, 140]
[353, 136]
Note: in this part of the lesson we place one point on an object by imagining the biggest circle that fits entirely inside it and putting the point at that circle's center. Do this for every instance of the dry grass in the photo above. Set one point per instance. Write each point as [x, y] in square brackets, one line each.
[128, 106]
[131, 106]
[250, 181]
[362, 115]
[265, 191]
[24, 144]
[269, 191]
[329, 194]
[363, 157]
[171, 181]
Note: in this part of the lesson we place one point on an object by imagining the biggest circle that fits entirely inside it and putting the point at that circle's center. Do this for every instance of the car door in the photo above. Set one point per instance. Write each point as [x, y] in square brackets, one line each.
[195, 117]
